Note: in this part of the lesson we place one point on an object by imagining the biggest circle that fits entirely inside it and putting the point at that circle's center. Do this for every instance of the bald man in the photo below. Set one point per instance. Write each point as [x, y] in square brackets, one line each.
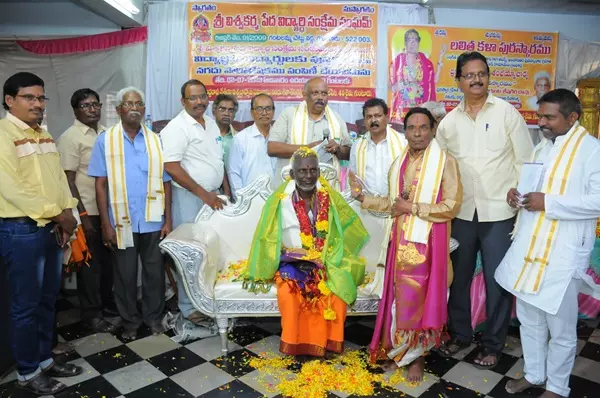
[307, 125]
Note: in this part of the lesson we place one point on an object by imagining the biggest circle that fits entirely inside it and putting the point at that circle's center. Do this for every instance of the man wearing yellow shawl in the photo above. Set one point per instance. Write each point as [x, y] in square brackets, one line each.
[425, 195]
[307, 242]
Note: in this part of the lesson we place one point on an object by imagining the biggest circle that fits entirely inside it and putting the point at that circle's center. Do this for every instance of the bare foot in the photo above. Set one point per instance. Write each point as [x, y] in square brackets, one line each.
[389, 366]
[518, 385]
[416, 370]
[550, 394]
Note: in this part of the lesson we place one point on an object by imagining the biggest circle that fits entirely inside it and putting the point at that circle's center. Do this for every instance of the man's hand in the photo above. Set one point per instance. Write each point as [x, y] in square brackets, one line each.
[356, 189]
[513, 197]
[400, 207]
[109, 237]
[166, 229]
[314, 144]
[88, 228]
[213, 200]
[66, 221]
[535, 201]
[332, 146]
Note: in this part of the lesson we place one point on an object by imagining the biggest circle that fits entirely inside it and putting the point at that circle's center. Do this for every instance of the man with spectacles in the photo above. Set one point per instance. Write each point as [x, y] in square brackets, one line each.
[309, 124]
[193, 156]
[36, 219]
[248, 158]
[94, 282]
[224, 109]
[490, 140]
[133, 193]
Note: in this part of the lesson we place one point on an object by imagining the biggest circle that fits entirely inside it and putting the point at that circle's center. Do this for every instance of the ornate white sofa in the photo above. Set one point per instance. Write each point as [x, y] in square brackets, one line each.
[203, 253]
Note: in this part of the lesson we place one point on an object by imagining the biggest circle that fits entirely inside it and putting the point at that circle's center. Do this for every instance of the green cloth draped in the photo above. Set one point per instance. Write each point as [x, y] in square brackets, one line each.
[345, 239]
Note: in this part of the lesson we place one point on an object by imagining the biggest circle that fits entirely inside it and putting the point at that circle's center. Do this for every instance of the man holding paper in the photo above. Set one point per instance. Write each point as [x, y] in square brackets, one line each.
[312, 123]
[553, 239]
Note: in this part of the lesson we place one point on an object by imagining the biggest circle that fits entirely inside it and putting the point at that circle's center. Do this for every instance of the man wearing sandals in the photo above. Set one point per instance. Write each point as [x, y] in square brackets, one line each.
[36, 219]
[490, 140]
[553, 240]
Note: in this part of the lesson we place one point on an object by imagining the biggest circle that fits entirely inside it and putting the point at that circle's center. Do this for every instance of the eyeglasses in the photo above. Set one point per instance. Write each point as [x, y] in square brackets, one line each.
[472, 76]
[222, 109]
[129, 105]
[194, 98]
[88, 106]
[32, 98]
[263, 109]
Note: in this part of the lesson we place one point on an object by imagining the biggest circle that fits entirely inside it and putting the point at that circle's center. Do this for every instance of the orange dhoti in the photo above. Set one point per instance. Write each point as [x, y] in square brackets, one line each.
[305, 331]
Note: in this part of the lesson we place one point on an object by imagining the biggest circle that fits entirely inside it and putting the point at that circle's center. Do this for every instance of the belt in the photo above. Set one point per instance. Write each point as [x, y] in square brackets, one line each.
[19, 220]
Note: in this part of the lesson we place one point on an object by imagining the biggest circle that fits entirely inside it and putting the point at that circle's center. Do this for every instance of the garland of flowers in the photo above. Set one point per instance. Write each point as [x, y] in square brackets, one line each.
[313, 241]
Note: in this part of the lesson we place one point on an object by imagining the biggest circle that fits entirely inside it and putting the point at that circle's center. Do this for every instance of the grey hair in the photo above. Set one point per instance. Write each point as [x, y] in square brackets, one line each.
[437, 109]
[126, 90]
[542, 75]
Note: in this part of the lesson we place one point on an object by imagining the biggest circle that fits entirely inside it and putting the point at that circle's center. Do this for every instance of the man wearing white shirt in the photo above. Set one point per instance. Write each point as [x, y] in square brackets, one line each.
[193, 156]
[248, 157]
[553, 240]
[372, 156]
[490, 140]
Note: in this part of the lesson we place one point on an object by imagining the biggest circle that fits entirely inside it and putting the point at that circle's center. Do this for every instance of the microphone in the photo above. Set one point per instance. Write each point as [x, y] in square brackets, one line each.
[326, 135]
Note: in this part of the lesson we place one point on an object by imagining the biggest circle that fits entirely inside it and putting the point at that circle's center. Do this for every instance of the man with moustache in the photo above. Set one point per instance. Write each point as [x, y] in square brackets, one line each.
[307, 125]
[541, 84]
[553, 240]
[193, 156]
[224, 109]
[490, 140]
[248, 158]
[94, 282]
[36, 219]
[373, 154]
[133, 193]
[307, 243]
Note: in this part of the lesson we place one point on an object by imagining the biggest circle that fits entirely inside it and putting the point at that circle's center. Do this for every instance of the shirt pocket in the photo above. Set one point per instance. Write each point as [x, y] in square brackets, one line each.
[496, 139]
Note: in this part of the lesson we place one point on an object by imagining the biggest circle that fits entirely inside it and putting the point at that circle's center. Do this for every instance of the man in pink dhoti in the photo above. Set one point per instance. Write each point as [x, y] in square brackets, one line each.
[425, 194]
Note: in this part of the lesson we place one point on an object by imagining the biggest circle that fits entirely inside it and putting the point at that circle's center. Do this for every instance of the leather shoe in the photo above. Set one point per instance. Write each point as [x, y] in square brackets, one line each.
[42, 385]
[58, 369]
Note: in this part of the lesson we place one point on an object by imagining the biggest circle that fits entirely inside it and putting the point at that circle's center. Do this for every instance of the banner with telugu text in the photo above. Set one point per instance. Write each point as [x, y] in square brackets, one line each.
[247, 49]
[423, 62]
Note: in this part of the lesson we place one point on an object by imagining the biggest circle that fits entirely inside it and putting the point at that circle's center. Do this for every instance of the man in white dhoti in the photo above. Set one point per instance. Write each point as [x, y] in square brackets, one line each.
[374, 153]
[309, 124]
[553, 239]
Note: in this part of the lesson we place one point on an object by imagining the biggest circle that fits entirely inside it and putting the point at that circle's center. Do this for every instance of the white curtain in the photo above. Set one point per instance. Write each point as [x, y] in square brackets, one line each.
[105, 72]
[577, 60]
[168, 57]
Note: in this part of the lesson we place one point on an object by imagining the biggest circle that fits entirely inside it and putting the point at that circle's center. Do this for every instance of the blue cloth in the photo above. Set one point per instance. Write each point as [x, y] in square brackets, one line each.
[33, 261]
[136, 179]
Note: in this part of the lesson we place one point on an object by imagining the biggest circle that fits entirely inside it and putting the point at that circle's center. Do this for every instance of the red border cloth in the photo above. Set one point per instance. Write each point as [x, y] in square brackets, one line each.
[81, 44]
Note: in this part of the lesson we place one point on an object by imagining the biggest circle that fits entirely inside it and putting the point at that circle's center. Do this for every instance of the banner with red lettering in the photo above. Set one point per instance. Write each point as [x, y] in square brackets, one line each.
[423, 61]
[247, 49]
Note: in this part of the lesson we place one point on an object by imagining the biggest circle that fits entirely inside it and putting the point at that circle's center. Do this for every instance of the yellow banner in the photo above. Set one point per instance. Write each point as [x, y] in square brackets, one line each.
[423, 62]
[247, 49]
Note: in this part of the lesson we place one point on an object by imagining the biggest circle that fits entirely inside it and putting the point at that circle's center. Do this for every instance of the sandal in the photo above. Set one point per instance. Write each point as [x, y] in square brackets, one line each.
[486, 352]
[453, 347]
[41, 384]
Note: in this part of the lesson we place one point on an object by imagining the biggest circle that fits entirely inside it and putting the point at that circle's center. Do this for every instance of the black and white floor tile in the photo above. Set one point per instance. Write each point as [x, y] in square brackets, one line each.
[155, 366]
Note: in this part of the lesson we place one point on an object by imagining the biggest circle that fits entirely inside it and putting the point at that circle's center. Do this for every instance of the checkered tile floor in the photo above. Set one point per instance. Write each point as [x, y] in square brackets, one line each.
[155, 366]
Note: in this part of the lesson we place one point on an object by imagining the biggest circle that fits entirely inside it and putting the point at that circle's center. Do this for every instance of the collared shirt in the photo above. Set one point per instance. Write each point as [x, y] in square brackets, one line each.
[378, 162]
[32, 181]
[490, 151]
[226, 141]
[248, 158]
[199, 150]
[75, 147]
[136, 179]
[282, 129]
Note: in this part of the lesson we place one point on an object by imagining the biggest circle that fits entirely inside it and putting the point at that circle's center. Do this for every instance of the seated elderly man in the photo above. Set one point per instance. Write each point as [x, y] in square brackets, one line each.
[307, 241]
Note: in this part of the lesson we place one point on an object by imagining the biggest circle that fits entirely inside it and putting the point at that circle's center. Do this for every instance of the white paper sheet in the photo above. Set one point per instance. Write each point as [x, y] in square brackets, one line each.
[530, 177]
